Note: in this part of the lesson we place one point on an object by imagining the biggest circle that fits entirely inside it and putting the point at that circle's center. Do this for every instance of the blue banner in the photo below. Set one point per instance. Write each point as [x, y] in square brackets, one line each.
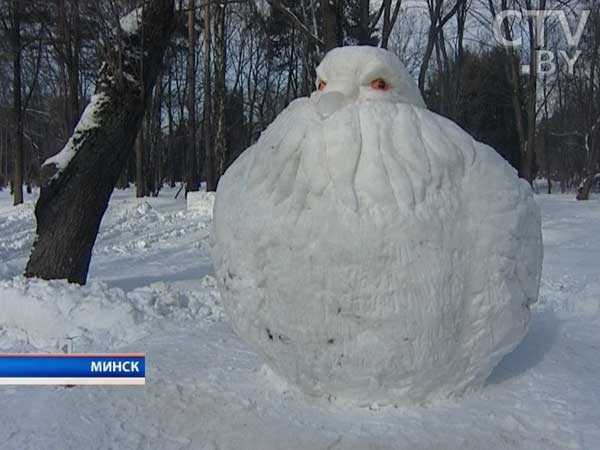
[72, 365]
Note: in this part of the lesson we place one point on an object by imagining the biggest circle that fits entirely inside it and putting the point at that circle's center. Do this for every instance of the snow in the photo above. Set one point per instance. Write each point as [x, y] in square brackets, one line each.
[131, 22]
[368, 64]
[201, 203]
[206, 389]
[263, 7]
[373, 251]
[89, 120]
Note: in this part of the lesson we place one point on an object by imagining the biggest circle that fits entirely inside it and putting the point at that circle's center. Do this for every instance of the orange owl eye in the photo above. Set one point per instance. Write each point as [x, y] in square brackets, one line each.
[322, 85]
[379, 84]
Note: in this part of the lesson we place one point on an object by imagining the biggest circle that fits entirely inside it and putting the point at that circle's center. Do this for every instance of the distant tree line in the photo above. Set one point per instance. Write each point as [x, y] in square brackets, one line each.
[231, 66]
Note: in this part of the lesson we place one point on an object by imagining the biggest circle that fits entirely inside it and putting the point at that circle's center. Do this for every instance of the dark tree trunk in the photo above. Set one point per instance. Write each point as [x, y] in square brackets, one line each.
[389, 20]
[364, 35]
[431, 39]
[220, 140]
[72, 201]
[211, 180]
[170, 156]
[329, 17]
[592, 138]
[17, 107]
[528, 151]
[193, 179]
[140, 181]
[68, 46]
[591, 169]
[123, 181]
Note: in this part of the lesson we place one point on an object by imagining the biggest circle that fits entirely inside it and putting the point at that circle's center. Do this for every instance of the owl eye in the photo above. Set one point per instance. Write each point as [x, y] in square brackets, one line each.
[322, 85]
[379, 84]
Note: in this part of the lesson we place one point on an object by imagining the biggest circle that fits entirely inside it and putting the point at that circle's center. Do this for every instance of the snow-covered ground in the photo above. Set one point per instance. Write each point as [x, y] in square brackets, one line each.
[151, 290]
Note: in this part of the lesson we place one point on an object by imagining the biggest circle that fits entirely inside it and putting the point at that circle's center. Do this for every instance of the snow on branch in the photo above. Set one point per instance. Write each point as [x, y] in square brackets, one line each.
[262, 7]
[131, 22]
[122, 69]
[88, 122]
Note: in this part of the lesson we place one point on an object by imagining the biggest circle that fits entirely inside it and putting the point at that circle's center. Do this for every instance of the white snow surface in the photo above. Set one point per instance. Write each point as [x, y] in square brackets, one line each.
[371, 249]
[87, 122]
[151, 290]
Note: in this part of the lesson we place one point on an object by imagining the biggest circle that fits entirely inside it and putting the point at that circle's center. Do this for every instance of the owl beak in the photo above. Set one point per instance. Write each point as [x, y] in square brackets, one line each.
[335, 97]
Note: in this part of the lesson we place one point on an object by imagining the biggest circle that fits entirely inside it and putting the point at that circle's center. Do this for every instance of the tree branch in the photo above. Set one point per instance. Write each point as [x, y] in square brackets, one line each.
[296, 22]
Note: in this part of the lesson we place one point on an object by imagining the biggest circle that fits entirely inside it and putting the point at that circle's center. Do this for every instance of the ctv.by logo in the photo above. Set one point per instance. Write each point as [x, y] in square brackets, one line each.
[545, 58]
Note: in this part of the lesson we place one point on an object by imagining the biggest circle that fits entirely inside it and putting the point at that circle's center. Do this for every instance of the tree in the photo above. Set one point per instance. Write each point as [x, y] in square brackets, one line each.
[68, 48]
[592, 137]
[361, 23]
[389, 20]
[193, 182]
[78, 183]
[220, 152]
[211, 179]
[438, 18]
[486, 112]
[329, 16]
[13, 28]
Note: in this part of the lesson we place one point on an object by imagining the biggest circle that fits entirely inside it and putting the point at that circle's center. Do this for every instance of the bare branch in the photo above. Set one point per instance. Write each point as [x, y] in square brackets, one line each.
[296, 22]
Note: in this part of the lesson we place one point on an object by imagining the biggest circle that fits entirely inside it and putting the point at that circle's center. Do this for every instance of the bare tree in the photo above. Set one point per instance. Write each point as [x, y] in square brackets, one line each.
[13, 29]
[220, 91]
[193, 182]
[592, 137]
[438, 18]
[389, 20]
[75, 192]
[329, 16]
[211, 179]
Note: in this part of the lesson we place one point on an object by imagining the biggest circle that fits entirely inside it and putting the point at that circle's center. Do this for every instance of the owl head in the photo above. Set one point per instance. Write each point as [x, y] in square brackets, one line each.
[349, 74]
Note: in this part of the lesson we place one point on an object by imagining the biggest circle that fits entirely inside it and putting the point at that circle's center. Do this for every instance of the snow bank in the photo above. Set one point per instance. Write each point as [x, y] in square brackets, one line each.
[47, 315]
[17, 232]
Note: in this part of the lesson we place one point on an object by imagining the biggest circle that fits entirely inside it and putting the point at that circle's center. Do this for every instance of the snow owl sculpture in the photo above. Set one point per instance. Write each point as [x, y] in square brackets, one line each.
[370, 249]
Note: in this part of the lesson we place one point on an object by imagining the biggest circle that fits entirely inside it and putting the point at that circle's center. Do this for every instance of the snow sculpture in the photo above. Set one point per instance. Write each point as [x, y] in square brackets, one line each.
[370, 249]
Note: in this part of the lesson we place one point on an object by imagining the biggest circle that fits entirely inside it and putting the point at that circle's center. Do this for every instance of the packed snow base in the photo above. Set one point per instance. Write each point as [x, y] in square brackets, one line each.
[371, 249]
[151, 289]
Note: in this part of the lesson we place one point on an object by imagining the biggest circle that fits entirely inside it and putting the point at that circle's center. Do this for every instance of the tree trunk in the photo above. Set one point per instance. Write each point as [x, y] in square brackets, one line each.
[364, 34]
[329, 17]
[193, 181]
[140, 184]
[74, 197]
[389, 20]
[592, 138]
[591, 168]
[458, 103]
[211, 179]
[583, 193]
[170, 155]
[437, 22]
[74, 44]
[123, 181]
[220, 141]
[527, 156]
[68, 47]
[431, 39]
[17, 107]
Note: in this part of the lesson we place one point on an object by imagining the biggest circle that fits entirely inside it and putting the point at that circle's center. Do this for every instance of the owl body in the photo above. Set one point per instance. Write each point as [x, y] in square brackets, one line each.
[370, 249]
